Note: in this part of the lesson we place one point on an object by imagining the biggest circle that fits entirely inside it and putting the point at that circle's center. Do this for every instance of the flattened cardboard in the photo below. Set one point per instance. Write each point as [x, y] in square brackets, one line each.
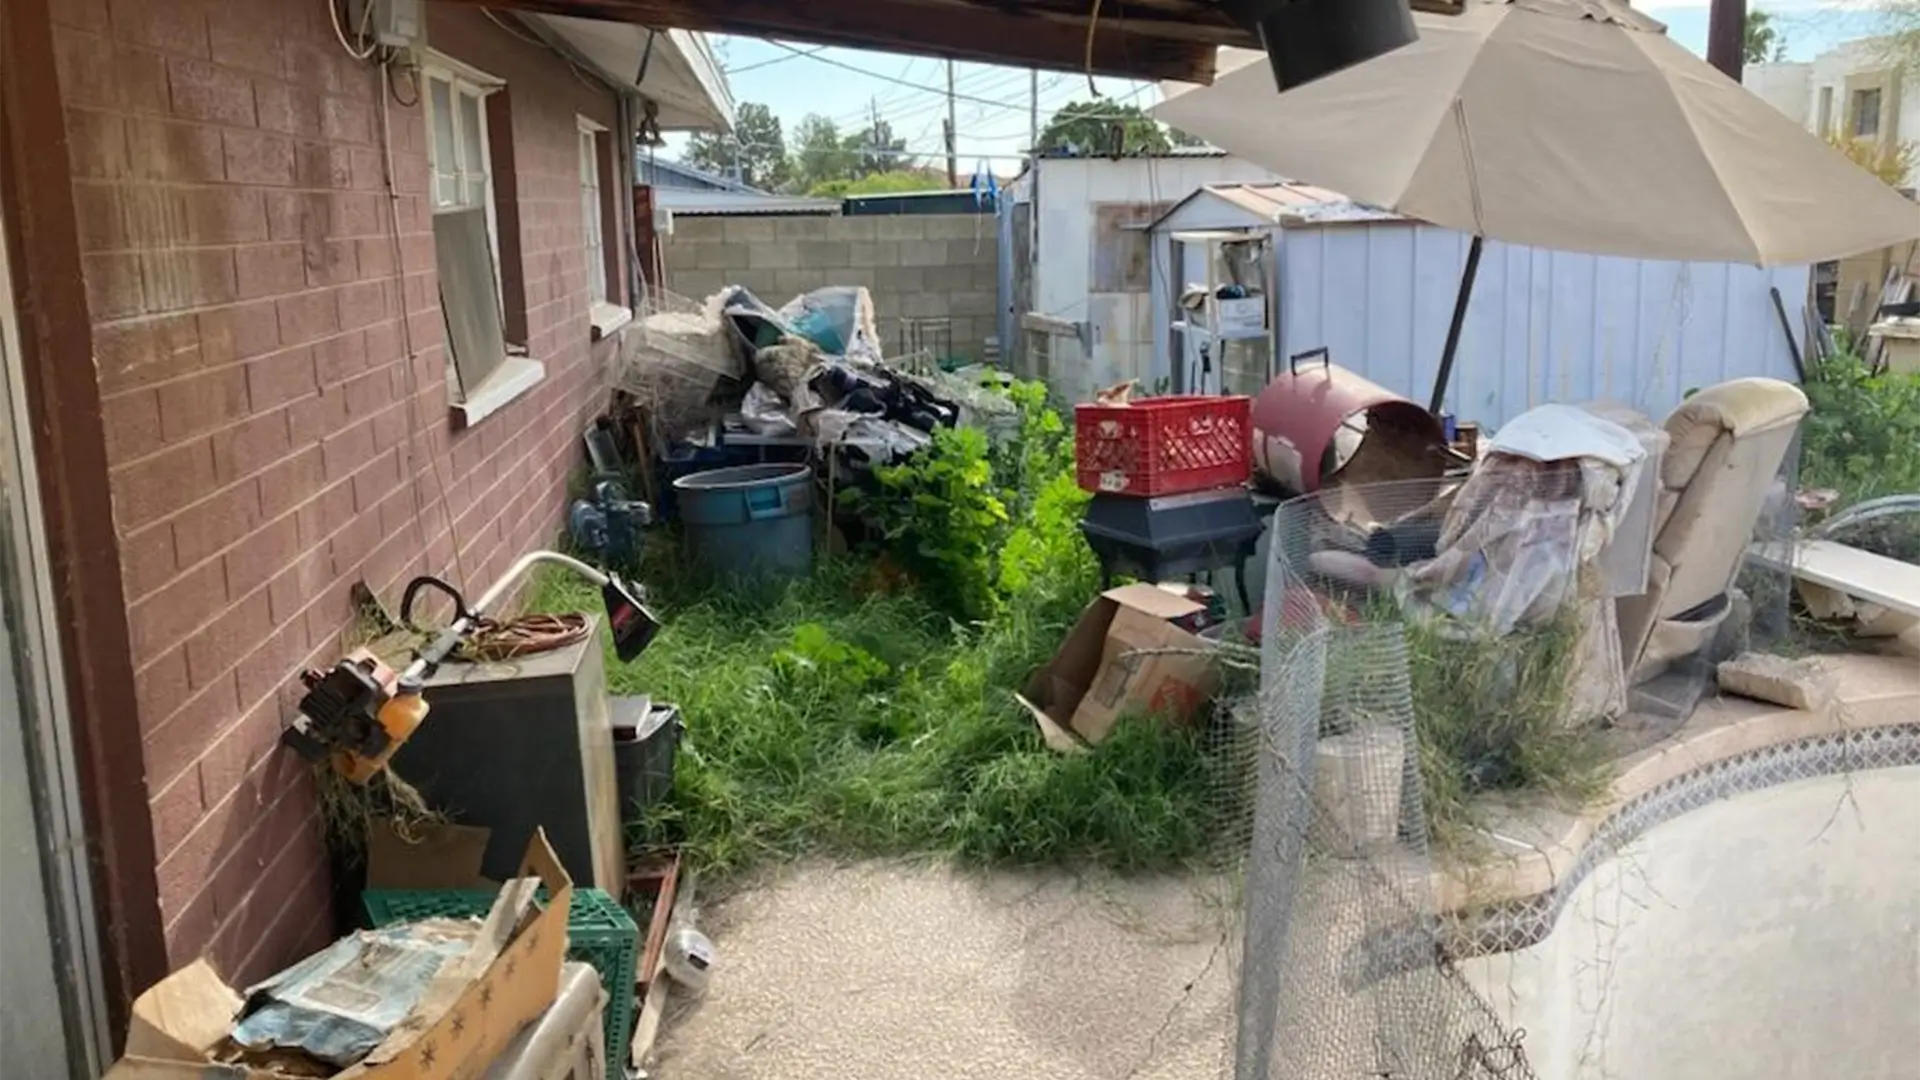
[427, 856]
[1101, 672]
[181, 1020]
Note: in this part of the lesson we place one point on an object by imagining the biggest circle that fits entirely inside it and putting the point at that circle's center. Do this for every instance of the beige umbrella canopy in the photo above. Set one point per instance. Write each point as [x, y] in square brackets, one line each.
[1571, 124]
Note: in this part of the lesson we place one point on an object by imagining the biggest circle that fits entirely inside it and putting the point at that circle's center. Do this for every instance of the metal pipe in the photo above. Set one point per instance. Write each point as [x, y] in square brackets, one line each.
[1453, 329]
[527, 562]
[446, 641]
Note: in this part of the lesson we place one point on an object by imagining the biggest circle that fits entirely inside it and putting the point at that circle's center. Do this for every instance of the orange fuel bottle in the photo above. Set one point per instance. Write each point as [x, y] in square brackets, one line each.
[402, 713]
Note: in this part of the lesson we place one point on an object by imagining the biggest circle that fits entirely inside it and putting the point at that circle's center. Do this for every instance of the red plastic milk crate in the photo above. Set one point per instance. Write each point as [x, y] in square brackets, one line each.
[1163, 446]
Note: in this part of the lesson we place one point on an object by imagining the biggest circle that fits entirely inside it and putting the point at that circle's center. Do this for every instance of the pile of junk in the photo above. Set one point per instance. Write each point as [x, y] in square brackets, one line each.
[1637, 530]
[803, 379]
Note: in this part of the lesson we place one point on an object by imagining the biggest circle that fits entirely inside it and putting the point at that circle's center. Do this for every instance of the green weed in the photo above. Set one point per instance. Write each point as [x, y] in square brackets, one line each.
[825, 718]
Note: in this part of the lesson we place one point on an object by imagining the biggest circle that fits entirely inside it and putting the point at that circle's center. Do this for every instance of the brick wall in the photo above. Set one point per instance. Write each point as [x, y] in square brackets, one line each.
[915, 265]
[254, 292]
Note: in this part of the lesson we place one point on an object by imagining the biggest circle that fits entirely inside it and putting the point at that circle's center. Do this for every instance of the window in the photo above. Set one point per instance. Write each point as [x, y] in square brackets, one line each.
[1866, 113]
[480, 375]
[590, 212]
[606, 316]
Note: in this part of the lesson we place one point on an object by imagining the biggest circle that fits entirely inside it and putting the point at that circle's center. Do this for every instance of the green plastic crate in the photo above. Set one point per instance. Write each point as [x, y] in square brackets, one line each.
[599, 932]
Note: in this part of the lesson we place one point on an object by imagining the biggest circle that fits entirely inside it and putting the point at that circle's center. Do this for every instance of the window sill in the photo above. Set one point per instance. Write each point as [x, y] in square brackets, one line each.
[607, 319]
[515, 376]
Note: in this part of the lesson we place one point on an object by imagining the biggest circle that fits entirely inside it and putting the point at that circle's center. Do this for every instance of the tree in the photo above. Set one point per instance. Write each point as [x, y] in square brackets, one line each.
[1900, 34]
[1103, 128]
[873, 150]
[818, 153]
[1763, 42]
[881, 183]
[1181, 138]
[1892, 162]
[755, 146]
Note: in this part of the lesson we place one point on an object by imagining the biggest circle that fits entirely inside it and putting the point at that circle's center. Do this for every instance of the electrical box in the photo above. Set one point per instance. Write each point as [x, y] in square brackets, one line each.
[392, 23]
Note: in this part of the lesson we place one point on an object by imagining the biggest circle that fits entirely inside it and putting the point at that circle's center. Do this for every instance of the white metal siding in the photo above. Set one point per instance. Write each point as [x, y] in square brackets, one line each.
[1542, 326]
[1124, 329]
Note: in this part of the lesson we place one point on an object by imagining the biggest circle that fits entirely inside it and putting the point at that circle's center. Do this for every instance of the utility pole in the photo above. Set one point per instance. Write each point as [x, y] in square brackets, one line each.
[1033, 110]
[953, 135]
[1727, 36]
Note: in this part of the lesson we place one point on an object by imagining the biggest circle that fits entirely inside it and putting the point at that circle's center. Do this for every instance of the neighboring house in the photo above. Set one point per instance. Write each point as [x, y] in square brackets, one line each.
[284, 321]
[1857, 89]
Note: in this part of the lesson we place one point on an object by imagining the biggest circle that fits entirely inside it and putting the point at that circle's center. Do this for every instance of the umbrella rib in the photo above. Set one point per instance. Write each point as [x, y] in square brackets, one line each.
[1473, 173]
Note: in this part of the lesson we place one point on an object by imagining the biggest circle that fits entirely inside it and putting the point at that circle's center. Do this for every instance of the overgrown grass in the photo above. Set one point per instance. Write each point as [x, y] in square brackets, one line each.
[1492, 714]
[842, 715]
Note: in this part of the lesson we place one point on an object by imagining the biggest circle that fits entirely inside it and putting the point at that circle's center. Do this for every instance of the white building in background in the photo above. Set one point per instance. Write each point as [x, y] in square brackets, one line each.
[1858, 85]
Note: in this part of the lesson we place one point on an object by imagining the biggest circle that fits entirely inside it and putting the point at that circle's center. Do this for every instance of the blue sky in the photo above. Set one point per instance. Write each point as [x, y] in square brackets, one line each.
[909, 92]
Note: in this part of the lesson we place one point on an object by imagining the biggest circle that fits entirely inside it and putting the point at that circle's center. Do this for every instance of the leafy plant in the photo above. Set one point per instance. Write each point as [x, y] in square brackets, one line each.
[978, 521]
[1892, 162]
[941, 512]
[1861, 434]
[1859, 440]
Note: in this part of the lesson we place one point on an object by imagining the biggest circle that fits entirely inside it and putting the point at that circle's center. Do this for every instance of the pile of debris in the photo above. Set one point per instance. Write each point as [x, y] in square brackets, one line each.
[811, 369]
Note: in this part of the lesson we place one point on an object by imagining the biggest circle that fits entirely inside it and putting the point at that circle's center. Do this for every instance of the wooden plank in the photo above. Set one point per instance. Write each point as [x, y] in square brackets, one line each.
[653, 1011]
[1890, 583]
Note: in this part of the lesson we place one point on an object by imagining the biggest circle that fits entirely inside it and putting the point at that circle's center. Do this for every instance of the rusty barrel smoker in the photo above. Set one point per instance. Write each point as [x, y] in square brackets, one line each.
[1318, 424]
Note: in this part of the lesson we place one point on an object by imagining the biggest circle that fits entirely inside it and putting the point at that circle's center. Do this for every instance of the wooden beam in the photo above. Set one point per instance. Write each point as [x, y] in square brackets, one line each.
[979, 33]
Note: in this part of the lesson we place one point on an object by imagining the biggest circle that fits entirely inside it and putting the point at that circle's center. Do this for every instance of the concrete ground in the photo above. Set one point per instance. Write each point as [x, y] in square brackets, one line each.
[883, 970]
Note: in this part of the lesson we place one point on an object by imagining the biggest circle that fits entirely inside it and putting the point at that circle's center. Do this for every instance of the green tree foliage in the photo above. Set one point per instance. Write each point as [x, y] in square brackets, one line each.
[881, 183]
[755, 144]
[1763, 42]
[819, 153]
[1181, 138]
[874, 150]
[1103, 128]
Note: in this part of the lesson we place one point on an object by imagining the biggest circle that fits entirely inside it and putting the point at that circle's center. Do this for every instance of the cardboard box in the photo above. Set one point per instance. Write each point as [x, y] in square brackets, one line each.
[1106, 667]
[471, 1011]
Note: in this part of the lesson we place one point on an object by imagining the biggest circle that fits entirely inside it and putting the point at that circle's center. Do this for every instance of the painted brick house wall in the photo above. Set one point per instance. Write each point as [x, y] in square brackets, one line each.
[253, 292]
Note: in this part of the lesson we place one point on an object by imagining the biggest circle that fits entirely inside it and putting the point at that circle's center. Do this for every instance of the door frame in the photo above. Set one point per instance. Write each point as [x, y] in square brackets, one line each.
[85, 614]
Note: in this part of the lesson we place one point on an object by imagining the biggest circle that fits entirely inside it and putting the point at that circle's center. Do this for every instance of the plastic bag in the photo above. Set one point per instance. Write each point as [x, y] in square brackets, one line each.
[763, 411]
[838, 319]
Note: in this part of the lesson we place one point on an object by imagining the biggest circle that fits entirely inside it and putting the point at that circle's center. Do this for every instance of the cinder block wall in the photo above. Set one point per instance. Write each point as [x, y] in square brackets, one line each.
[915, 265]
[267, 445]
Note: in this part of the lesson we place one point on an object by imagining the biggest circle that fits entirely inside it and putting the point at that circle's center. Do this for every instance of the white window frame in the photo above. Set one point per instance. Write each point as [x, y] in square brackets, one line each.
[605, 316]
[591, 208]
[508, 376]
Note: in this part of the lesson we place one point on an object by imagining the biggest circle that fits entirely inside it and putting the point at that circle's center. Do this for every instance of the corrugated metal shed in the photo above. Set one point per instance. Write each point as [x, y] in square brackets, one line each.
[1285, 203]
[1378, 291]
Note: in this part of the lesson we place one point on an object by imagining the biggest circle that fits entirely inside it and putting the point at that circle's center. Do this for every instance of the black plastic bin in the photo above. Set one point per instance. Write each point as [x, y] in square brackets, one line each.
[646, 738]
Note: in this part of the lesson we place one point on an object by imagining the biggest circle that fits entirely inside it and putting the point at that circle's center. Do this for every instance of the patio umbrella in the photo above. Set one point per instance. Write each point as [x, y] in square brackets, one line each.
[1570, 124]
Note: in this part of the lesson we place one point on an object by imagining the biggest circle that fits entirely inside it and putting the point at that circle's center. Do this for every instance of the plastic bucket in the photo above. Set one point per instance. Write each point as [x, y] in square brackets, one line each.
[643, 757]
[750, 519]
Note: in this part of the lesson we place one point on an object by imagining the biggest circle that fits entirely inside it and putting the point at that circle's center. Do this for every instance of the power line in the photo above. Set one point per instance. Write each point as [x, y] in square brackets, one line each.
[936, 90]
[758, 64]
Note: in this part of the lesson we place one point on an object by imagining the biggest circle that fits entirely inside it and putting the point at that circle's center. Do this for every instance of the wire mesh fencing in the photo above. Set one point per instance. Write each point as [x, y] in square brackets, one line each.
[1341, 967]
[1425, 643]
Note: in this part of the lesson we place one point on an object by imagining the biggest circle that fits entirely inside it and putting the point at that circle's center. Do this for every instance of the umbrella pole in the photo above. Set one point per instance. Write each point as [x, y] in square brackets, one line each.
[1453, 329]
